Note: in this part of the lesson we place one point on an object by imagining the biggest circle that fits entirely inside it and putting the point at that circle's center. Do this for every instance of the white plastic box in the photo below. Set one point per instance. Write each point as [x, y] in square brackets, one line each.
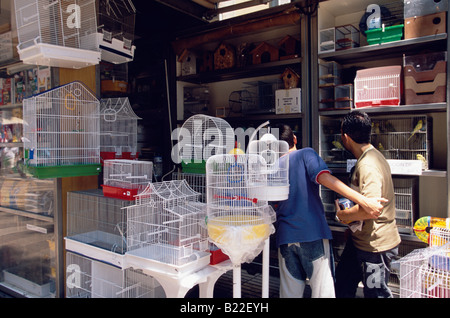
[288, 101]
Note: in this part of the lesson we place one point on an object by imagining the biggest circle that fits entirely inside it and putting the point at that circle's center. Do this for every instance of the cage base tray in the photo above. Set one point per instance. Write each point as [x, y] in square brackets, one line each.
[65, 171]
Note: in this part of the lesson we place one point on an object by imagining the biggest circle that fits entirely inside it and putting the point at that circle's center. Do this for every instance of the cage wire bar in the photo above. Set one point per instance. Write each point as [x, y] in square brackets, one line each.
[57, 33]
[165, 228]
[62, 132]
[88, 278]
[118, 129]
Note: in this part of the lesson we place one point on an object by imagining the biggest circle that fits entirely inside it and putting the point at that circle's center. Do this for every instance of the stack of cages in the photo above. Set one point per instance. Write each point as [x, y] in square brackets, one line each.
[90, 278]
[57, 33]
[165, 229]
[125, 179]
[425, 273]
[378, 86]
[425, 78]
[329, 78]
[202, 136]
[239, 219]
[118, 129]
[116, 20]
[62, 133]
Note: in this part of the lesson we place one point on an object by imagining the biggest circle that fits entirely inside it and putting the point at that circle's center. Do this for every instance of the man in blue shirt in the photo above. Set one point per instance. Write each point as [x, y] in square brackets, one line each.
[303, 233]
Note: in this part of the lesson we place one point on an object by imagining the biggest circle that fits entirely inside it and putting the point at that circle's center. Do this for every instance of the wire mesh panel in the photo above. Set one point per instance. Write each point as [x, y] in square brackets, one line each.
[57, 33]
[439, 236]
[124, 179]
[237, 221]
[165, 225]
[97, 220]
[425, 273]
[406, 203]
[378, 86]
[118, 129]
[61, 132]
[88, 278]
[275, 154]
[197, 181]
[117, 22]
[203, 136]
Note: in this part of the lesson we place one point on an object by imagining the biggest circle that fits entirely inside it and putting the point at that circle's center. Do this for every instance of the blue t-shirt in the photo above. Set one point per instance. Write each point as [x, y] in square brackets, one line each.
[301, 218]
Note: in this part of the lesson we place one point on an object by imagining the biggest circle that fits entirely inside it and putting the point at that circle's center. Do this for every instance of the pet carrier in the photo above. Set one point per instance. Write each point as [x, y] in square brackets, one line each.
[378, 86]
[275, 154]
[89, 278]
[203, 136]
[165, 232]
[118, 129]
[425, 273]
[61, 132]
[57, 33]
[116, 21]
[237, 221]
[124, 179]
[96, 225]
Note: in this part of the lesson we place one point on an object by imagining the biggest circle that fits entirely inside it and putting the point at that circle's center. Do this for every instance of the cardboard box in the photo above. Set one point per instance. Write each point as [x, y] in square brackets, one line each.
[288, 101]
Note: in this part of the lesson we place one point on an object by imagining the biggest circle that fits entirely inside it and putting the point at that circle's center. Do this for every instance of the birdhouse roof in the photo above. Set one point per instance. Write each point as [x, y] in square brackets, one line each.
[291, 71]
[77, 90]
[119, 107]
[167, 190]
[263, 46]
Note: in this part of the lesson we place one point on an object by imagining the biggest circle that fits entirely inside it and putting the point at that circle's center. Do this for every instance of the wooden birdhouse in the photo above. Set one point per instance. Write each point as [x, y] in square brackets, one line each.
[188, 62]
[206, 62]
[224, 57]
[264, 53]
[290, 78]
[289, 48]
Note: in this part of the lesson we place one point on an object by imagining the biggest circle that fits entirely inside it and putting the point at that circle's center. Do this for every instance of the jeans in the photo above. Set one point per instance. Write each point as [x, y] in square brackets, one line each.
[301, 261]
[373, 269]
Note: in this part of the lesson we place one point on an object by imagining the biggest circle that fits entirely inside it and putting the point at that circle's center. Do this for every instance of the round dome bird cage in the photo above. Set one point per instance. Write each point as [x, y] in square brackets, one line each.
[57, 33]
[203, 136]
[275, 153]
[118, 129]
[237, 221]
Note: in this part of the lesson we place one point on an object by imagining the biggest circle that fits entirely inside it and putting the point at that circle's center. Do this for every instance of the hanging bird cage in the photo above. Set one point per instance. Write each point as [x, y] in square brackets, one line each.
[275, 153]
[165, 231]
[237, 221]
[57, 33]
[118, 129]
[124, 179]
[116, 30]
[425, 273]
[61, 132]
[206, 136]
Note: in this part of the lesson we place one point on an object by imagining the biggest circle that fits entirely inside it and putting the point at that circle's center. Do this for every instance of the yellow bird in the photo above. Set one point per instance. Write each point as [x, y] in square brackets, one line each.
[380, 146]
[337, 144]
[416, 129]
[424, 161]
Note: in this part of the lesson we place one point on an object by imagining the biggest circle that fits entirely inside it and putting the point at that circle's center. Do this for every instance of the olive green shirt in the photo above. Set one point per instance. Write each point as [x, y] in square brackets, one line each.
[372, 178]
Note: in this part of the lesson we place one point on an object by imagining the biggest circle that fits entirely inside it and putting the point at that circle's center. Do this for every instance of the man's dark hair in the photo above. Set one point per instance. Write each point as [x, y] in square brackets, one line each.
[286, 134]
[358, 126]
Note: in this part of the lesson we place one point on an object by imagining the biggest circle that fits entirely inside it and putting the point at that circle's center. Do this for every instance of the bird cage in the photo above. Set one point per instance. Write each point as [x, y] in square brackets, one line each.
[61, 132]
[237, 221]
[124, 179]
[165, 230]
[378, 86]
[275, 154]
[203, 136]
[439, 236]
[57, 33]
[89, 278]
[118, 129]
[425, 273]
[97, 220]
[116, 20]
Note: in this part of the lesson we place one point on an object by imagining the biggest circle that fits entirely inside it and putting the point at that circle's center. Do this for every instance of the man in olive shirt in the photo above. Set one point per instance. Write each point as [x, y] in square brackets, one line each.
[368, 252]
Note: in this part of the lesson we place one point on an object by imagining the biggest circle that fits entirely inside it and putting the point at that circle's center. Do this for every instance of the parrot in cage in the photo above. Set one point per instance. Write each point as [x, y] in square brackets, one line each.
[337, 144]
[416, 129]
[423, 159]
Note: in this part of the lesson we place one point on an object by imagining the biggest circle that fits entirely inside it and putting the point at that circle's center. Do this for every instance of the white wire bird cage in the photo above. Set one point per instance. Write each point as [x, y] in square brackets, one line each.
[425, 273]
[57, 33]
[165, 229]
[203, 136]
[124, 179]
[116, 20]
[62, 132]
[97, 220]
[89, 278]
[275, 153]
[118, 129]
[439, 236]
[379, 86]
